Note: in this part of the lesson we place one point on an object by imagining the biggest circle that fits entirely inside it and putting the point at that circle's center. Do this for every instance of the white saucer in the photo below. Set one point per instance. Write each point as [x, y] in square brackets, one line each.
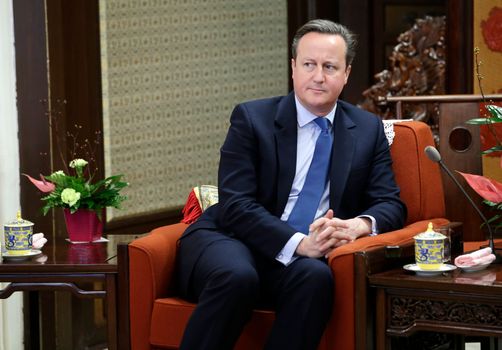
[421, 272]
[474, 268]
[32, 253]
[101, 240]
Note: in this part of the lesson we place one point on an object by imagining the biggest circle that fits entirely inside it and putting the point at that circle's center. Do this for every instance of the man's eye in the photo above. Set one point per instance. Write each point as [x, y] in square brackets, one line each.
[308, 65]
[330, 67]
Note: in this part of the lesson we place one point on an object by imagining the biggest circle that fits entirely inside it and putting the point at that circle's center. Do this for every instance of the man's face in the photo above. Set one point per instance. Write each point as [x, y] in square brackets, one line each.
[320, 71]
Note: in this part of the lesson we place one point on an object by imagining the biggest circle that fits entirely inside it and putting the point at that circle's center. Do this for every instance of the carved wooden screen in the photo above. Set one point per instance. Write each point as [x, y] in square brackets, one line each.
[416, 67]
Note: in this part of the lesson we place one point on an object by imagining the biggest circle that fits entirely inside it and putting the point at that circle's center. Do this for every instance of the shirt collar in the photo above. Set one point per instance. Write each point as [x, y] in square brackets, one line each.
[304, 116]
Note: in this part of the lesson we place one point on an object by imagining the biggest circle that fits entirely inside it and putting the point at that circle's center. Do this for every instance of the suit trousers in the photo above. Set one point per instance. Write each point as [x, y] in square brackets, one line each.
[228, 281]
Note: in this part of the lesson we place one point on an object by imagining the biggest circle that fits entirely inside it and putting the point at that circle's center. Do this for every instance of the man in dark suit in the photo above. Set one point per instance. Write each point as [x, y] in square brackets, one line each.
[259, 244]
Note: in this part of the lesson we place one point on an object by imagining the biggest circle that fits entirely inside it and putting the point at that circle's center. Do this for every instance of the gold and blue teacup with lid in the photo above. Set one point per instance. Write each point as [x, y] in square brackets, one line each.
[429, 249]
[18, 236]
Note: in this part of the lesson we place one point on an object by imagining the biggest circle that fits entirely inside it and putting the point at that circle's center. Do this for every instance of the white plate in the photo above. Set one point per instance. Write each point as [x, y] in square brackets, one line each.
[474, 268]
[9, 255]
[420, 272]
[101, 240]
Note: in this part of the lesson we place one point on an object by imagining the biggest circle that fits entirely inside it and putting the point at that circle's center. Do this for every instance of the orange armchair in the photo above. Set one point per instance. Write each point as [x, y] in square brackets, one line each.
[158, 316]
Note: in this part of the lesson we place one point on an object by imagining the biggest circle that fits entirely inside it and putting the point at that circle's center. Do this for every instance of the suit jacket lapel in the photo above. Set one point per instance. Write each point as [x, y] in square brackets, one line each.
[341, 156]
[286, 142]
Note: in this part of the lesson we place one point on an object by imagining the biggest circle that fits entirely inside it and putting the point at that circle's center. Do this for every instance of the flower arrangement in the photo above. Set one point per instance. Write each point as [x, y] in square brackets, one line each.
[489, 189]
[74, 188]
[77, 192]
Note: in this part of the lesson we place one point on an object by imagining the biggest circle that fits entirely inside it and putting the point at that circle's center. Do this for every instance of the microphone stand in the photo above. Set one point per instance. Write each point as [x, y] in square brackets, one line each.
[491, 243]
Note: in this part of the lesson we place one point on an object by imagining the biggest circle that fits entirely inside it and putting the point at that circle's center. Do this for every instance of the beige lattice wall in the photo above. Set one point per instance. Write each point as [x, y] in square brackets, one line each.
[172, 72]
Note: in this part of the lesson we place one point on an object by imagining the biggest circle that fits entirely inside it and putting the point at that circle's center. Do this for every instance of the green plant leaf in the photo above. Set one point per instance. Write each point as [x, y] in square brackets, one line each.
[495, 111]
[493, 218]
[493, 149]
[476, 121]
[482, 121]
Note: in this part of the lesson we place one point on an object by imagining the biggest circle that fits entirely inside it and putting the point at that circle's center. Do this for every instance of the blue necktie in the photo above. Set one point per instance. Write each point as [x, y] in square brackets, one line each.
[303, 212]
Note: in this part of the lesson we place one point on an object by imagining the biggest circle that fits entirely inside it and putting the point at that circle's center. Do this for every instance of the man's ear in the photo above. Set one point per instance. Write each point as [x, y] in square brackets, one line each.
[293, 66]
[347, 73]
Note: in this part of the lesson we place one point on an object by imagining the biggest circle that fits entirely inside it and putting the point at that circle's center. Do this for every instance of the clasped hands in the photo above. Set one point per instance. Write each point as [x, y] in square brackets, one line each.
[328, 233]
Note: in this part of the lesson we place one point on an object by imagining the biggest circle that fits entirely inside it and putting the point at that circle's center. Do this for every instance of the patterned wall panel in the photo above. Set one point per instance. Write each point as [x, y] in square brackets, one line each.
[172, 72]
[487, 24]
[488, 38]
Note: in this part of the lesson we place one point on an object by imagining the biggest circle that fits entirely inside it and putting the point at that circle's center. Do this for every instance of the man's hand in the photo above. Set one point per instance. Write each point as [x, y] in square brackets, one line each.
[328, 233]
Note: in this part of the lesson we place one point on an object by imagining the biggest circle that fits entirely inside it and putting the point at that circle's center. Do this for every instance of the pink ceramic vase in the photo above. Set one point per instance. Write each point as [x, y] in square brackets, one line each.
[83, 225]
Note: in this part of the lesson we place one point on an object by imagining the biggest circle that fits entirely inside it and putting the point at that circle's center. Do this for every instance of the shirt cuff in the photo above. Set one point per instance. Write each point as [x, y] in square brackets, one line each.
[374, 228]
[286, 255]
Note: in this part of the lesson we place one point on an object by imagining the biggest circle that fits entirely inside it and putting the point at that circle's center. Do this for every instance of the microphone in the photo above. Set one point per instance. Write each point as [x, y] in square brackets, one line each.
[433, 154]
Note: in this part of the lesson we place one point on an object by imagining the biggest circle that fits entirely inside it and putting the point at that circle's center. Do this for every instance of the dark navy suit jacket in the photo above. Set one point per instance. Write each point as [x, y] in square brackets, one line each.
[257, 168]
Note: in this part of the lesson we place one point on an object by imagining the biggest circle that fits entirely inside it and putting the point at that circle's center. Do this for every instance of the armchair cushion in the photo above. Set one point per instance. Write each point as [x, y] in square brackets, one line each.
[157, 316]
[176, 312]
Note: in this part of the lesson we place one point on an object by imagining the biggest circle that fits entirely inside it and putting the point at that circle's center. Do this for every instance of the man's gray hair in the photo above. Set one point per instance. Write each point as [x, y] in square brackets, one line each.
[324, 26]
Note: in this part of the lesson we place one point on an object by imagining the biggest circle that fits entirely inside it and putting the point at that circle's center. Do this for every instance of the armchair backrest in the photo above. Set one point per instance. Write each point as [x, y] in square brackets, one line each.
[417, 176]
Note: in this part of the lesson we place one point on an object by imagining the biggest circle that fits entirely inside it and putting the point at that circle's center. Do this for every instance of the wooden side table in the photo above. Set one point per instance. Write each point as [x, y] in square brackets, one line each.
[454, 302]
[63, 266]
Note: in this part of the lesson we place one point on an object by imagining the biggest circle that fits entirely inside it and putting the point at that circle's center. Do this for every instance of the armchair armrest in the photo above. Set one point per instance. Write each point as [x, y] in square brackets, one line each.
[393, 238]
[349, 282]
[152, 260]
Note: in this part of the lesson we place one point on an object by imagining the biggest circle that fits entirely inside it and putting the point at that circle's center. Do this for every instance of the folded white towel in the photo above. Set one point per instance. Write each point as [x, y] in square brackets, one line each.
[479, 257]
[38, 240]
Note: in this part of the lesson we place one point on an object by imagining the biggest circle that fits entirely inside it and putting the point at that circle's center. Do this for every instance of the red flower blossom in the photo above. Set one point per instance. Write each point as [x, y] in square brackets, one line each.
[43, 185]
[487, 188]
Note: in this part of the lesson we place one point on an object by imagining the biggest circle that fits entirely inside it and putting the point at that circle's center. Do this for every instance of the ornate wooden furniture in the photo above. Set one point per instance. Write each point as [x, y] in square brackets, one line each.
[84, 270]
[455, 302]
[416, 67]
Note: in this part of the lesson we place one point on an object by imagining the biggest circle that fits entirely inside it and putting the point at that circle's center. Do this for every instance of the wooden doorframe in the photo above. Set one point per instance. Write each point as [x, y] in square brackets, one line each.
[57, 59]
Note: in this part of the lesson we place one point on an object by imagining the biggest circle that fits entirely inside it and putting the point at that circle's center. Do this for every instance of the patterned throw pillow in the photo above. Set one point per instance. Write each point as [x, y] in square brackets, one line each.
[199, 199]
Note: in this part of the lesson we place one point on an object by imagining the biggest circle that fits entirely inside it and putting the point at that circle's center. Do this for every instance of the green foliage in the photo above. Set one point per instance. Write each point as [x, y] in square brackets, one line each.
[92, 196]
[494, 117]
[495, 111]
[496, 220]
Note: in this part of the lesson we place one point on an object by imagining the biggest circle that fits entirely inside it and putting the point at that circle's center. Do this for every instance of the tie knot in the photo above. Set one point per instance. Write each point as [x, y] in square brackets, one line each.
[323, 123]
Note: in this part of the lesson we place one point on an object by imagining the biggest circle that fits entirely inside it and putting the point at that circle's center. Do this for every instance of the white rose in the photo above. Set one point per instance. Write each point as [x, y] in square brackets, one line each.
[78, 163]
[58, 173]
[70, 196]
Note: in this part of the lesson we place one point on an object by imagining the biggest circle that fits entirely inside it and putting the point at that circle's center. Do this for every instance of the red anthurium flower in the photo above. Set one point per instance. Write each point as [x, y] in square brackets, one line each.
[43, 185]
[489, 189]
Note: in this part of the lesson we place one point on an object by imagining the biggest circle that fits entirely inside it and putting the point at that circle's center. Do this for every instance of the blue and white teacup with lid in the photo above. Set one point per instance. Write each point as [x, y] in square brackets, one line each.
[18, 236]
[429, 249]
